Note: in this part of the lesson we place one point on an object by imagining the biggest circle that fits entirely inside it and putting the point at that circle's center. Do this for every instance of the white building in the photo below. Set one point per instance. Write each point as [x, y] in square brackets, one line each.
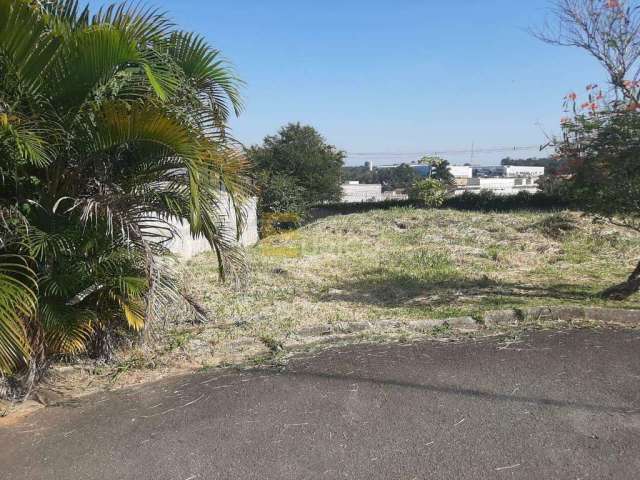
[522, 171]
[356, 192]
[500, 185]
[461, 171]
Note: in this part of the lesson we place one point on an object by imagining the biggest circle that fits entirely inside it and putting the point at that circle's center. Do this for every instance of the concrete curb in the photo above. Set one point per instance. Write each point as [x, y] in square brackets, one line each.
[606, 315]
[461, 324]
[491, 319]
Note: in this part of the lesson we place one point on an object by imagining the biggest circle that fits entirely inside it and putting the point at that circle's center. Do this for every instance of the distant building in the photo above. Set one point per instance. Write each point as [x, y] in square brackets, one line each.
[499, 185]
[501, 180]
[356, 192]
[461, 171]
[395, 195]
[488, 171]
[522, 171]
[508, 171]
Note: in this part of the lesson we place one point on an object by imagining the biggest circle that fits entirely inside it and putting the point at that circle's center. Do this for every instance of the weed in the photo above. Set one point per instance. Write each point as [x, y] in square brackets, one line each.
[135, 362]
[556, 226]
[493, 252]
[178, 339]
[272, 343]
[439, 330]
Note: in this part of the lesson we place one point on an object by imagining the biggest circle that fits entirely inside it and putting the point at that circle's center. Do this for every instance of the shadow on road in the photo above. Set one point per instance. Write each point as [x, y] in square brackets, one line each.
[467, 392]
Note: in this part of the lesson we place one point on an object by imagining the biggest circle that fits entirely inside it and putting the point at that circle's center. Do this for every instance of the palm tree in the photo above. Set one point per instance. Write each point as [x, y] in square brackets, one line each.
[112, 124]
[439, 170]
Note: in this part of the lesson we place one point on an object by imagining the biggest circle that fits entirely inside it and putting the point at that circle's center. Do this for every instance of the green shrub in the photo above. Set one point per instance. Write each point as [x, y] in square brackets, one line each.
[428, 193]
[487, 201]
[280, 193]
[484, 202]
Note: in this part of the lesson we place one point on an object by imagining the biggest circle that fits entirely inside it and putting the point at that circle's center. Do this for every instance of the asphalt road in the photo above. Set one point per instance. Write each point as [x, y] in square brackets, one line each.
[561, 405]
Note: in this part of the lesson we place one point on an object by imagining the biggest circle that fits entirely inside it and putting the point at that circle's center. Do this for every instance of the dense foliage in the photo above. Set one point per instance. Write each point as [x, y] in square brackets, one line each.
[111, 124]
[484, 202]
[439, 170]
[281, 193]
[393, 178]
[428, 192]
[601, 134]
[296, 168]
[603, 151]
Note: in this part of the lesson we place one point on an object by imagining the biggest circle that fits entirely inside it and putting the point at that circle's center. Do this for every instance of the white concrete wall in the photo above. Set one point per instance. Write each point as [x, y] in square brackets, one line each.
[186, 246]
[361, 192]
[461, 171]
[499, 185]
[522, 171]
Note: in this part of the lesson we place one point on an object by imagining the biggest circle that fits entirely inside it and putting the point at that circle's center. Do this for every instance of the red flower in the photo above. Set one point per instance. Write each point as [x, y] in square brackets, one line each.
[613, 4]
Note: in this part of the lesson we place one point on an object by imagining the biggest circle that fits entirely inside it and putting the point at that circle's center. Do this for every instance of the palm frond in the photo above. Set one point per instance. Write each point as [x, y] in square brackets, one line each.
[90, 57]
[18, 301]
[67, 11]
[67, 328]
[26, 41]
[209, 74]
[26, 139]
[143, 23]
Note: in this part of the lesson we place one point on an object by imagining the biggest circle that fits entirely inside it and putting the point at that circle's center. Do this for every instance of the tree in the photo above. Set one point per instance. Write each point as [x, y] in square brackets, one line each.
[601, 135]
[111, 124]
[603, 150]
[281, 194]
[301, 153]
[608, 30]
[428, 192]
[400, 177]
[391, 178]
[360, 174]
[439, 170]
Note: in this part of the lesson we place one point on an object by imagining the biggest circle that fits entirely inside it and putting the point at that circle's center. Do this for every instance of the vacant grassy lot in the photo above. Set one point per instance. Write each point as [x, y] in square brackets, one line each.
[401, 264]
[415, 264]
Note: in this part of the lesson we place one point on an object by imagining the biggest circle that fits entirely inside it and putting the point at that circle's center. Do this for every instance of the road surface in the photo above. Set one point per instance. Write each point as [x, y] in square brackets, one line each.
[555, 405]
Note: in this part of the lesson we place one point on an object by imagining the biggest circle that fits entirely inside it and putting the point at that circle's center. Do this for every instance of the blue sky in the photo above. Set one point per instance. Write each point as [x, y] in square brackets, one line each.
[395, 76]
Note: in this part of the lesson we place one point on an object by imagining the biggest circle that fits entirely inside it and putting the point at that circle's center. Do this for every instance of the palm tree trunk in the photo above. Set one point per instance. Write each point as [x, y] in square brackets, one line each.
[625, 289]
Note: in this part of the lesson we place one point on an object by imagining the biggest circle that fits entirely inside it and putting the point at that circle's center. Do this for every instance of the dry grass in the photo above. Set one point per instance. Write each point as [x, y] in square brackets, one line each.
[408, 264]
